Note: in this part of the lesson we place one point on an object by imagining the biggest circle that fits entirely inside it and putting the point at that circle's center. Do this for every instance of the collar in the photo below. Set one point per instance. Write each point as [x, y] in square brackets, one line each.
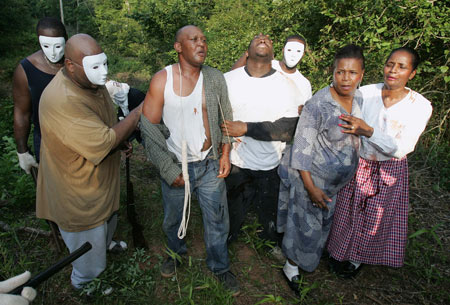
[272, 71]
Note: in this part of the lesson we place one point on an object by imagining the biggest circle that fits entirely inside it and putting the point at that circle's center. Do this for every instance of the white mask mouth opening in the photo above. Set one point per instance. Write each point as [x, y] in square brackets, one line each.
[53, 47]
[96, 68]
[293, 52]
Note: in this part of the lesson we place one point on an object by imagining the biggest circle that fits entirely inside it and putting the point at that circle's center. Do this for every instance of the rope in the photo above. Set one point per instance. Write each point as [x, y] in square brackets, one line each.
[182, 230]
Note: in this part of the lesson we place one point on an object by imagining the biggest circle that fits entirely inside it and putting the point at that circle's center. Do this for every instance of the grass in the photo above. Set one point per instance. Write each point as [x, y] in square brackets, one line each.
[136, 279]
[135, 276]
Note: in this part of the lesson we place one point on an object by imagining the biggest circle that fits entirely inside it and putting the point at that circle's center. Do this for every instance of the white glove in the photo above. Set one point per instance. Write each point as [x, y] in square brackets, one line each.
[28, 293]
[26, 161]
[119, 94]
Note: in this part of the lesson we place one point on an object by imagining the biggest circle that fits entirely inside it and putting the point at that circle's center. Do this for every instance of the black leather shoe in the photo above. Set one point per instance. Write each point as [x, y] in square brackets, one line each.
[343, 269]
[294, 284]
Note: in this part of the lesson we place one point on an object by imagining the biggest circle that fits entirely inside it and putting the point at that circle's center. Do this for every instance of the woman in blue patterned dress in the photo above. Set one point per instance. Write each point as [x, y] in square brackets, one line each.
[321, 160]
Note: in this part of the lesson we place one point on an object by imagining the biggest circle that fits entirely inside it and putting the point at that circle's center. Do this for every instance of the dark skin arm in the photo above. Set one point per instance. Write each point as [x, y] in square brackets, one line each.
[316, 195]
[282, 129]
[224, 161]
[153, 107]
[125, 128]
[22, 109]
[242, 61]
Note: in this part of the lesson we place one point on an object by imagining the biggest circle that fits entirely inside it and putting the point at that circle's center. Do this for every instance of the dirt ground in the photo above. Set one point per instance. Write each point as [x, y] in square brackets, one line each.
[423, 280]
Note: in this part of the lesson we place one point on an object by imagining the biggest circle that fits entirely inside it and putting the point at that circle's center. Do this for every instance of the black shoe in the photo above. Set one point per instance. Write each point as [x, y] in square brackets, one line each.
[229, 282]
[345, 269]
[294, 283]
[168, 267]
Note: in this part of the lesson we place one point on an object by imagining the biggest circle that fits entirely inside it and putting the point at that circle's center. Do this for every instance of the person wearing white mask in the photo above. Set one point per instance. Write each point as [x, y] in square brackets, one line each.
[293, 51]
[30, 78]
[78, 185]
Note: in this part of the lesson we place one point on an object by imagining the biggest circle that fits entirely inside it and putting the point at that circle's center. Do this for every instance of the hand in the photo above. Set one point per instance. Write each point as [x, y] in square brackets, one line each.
[300, 108]
[355, 126]
[127, 148]
[318, 197]
[28, 293]
[26, 161]
[224, 166]
[179, 182]
[234, 128]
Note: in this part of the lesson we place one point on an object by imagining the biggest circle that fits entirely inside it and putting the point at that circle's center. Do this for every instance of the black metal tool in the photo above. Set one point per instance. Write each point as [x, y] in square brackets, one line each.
[136, 228]
[50, 271]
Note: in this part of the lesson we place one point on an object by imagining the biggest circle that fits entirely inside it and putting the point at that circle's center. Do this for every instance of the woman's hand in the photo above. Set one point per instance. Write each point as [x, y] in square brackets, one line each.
[318, 197]
[355, 126]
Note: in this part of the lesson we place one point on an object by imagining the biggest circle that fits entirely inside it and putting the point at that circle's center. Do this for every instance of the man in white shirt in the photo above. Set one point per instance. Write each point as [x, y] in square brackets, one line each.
[265, 110]
[293, 51]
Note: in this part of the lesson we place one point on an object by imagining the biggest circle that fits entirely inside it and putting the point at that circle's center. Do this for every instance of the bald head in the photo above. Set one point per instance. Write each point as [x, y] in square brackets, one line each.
[85, 63]
[81, 45]
[183, 31]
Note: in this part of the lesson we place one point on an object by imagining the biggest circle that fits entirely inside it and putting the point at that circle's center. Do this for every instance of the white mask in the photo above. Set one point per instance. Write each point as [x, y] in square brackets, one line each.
[96, 68]
[293, 52]
[53, 47]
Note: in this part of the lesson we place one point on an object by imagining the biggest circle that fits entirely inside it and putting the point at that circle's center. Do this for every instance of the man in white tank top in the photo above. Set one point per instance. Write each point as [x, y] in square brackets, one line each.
[265, 109]
[192, 100]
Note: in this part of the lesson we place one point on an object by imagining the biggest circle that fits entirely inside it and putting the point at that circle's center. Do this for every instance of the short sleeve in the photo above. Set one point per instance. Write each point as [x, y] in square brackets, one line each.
[87, 134]
[306, 136]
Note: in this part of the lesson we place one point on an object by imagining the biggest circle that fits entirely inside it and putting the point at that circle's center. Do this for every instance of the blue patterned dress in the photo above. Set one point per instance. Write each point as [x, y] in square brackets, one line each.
[331, 157]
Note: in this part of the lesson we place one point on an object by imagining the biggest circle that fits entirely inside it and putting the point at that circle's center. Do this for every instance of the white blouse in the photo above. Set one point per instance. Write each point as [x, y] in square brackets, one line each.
[397, 128]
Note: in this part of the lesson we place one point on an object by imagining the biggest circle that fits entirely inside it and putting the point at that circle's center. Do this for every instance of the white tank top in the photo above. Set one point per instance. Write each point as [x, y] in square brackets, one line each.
[184, 119]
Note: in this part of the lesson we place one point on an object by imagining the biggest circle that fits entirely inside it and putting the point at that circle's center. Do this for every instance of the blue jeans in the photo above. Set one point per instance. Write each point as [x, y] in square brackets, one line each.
[212, 197]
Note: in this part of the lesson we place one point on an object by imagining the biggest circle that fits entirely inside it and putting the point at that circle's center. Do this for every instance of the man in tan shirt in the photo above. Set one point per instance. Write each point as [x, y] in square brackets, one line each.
[78, 182]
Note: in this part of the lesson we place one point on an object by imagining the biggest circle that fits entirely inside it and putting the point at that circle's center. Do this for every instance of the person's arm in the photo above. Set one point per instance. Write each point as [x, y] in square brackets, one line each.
[396, 146]
[242, 61]
[224, 161]
[125, 127]
[22, 109]
[316, 195]
[281, 130]
[22, 119]
[154, 140]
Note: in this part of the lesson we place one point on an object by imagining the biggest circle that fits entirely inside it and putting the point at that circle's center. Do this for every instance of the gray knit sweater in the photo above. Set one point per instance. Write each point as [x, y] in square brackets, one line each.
[154, 135]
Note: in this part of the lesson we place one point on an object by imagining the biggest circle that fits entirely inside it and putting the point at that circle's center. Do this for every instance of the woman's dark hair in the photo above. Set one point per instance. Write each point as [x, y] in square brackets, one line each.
[414, 54]
[350, 51]
[52, 24]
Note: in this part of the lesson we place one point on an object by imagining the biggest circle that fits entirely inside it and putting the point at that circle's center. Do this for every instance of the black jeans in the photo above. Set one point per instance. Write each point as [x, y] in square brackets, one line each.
[260, 188]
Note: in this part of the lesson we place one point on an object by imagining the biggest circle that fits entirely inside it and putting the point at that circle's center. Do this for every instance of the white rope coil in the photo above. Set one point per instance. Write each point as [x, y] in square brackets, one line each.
[182, 230]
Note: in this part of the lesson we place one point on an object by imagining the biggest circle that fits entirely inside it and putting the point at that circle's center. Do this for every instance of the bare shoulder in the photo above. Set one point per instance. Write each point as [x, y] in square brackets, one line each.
[159, 79]
[37, 58]
[20, 77]
[154, 99]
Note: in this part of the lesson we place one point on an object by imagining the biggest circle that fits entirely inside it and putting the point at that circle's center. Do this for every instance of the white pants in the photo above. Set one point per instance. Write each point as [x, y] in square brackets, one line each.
[92, 263]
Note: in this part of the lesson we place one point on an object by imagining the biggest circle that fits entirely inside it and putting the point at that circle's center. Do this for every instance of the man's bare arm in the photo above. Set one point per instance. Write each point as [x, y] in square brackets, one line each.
[242, 61]
[22, 109]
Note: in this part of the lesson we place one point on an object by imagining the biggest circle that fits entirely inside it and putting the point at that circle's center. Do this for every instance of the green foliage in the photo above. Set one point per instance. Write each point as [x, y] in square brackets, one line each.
[17, 188]
[131, 279]
[251, 237]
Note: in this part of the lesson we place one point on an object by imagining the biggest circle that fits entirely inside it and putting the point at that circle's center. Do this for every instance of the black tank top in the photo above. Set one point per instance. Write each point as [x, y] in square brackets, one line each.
[37, 81]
